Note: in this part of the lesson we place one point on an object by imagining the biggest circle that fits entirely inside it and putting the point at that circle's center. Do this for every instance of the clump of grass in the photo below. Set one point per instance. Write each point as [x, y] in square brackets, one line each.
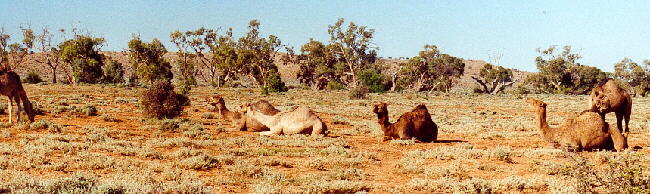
[108, 118]
[89, 110]
[208, 115]
[201, 161]
[337, 186]
[411, 165]
[169, 125]
[403, 142]
[45, 124]
[455, 171]
[348, 174]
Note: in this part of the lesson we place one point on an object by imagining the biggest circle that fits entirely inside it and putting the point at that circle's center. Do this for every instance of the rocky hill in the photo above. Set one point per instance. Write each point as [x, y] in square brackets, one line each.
[288, 72]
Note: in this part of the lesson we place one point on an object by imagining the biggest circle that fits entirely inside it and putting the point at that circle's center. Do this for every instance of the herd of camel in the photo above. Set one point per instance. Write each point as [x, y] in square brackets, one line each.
[587, 131]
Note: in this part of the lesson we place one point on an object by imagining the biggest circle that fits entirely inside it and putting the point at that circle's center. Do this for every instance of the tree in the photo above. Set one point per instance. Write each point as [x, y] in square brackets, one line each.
[46, 47]
[82, 54]
[493, 79]
[148, 61]
[256, 55]
[317, 65]
[560, 73]
[633, 75]
[13, 54]
[352, 47]
[431, 70]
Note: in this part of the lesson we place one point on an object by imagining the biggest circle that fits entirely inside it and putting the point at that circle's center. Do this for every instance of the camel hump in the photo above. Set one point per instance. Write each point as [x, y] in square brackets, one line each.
[265, 107]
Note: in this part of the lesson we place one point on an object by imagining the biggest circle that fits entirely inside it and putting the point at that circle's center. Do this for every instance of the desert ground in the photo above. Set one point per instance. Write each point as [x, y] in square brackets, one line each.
[485, 143]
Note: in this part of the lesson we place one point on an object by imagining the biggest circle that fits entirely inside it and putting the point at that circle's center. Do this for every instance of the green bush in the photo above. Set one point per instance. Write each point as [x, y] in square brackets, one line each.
[274, 83]
[87, 70]
[376, 82]
[334, 85]
[161, 101]
[113, 72]
[33, 78]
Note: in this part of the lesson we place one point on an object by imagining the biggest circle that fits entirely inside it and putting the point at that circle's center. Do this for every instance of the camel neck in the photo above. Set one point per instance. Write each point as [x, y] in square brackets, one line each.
[223, 110]
[541, 122]
[383, 121]
[262, 118]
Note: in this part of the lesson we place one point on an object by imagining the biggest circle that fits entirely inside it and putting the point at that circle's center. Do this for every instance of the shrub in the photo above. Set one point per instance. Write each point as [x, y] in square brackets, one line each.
[87, 70]
[376, 82]
[33, 78]
[161, 101]
[113, 72]
[274, 83]
[360, 92]
[334, 85]
[89, 110]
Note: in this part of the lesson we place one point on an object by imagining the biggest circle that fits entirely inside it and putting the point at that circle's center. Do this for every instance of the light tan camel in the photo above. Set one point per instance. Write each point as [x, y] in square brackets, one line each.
[587, 131]
[415, 124]
[297, 120]
[11, 87]
[239, 121]
[609, 97]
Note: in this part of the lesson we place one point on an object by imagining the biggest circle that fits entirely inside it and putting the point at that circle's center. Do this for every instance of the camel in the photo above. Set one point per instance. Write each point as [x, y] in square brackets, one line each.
[415, 124]
[588, 131]
[239, 121]
[608, 97]
[11, 87]
[297, 120]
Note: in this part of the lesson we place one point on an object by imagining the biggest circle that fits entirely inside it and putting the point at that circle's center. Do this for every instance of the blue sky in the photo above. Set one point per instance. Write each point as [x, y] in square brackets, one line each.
[603, 32]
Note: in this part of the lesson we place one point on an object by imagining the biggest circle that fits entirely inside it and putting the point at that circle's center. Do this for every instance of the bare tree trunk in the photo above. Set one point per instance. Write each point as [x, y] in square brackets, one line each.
[53, 74]
[482, 83]
[501, 86]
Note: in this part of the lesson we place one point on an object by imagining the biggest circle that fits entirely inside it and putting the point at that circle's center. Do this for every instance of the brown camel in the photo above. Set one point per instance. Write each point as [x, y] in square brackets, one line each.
[11, 87]
[587, 131]
[608, 97]
[240, 121]
[415, 124]
[297, 120]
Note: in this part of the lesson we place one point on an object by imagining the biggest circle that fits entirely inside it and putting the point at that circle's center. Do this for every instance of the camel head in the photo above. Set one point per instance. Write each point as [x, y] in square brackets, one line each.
[536, 103]
[244, 108]
[217, 102]
[600, 103]
[380, 108]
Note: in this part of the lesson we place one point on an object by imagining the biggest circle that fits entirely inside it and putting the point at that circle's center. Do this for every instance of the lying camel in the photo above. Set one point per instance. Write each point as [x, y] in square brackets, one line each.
[587, 131]
[297, 120]
[415, 124]
[239, 121]
[609, 97]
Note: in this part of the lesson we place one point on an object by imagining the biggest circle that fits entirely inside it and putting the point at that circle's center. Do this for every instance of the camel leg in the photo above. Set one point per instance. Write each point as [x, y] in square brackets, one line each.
[241, 124]
[620, 140]
[273, 131]
[10, 111]
[627, 121]
[17, 100]
[318, 128]
[619, 121]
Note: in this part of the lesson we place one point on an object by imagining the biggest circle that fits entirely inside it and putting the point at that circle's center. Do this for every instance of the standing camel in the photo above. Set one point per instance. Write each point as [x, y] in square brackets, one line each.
[609, 97]
[11, 87]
